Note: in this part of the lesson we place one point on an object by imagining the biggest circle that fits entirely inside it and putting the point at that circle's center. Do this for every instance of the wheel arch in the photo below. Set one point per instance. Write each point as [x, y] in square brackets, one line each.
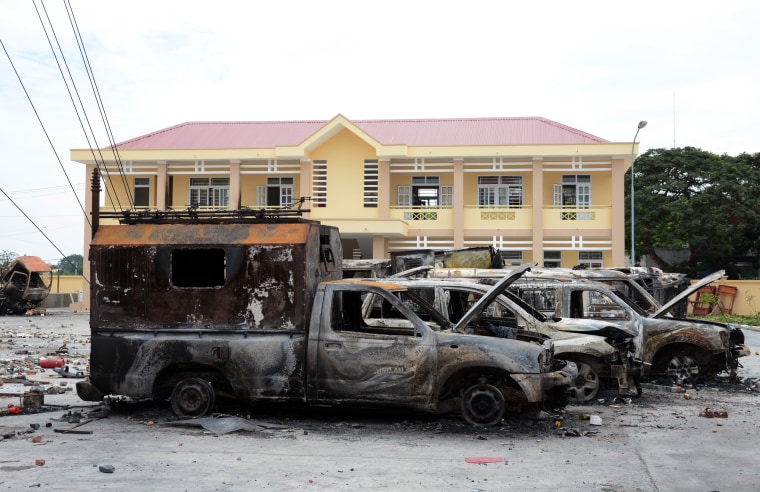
[169, 376]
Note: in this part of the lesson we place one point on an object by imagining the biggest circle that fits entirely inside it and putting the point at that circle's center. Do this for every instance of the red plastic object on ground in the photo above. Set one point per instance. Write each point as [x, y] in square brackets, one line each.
[51, 363]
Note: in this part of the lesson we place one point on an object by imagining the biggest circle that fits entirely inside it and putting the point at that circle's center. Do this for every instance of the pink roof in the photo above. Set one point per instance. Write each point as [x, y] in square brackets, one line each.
[432, 132]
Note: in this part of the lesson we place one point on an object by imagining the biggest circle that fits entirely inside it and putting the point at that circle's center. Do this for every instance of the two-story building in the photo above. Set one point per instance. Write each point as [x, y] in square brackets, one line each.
[535, 189]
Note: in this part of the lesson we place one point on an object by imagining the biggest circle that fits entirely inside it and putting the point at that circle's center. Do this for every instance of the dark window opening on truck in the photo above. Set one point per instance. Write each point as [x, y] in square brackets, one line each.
[198, 268]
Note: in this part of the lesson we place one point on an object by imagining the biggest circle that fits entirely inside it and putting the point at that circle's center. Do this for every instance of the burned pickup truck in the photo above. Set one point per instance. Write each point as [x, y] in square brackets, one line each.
[199, 307]
[24, 284]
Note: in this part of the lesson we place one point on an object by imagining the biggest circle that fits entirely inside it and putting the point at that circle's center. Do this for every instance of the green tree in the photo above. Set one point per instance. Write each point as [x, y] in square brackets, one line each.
[690, 198]
[6, 257]
[71, 265]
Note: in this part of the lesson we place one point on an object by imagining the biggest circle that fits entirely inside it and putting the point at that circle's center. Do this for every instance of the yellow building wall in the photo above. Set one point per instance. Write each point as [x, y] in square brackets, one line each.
[345, 154]
[66, 284]
[180, 193]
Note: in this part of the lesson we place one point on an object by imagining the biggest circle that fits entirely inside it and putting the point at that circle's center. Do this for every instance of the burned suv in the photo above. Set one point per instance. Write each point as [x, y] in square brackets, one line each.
[603, 352]
[682, 351]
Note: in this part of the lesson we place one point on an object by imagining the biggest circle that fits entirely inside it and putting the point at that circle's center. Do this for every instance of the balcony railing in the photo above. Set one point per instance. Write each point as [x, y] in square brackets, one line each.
[595, 217]
[425, 217]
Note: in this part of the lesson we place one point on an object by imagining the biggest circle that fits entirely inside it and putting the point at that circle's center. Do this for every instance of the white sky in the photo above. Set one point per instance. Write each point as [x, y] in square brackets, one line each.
[689, 68]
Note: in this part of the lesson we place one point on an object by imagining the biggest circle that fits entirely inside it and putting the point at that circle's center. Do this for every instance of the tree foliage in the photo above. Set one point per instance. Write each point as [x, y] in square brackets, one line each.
[6, 257]
[690, 198]
[70, 265]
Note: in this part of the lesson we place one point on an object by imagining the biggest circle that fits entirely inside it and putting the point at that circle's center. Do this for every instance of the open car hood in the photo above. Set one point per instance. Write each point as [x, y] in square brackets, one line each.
[594, 327]
[691, 290]
[489, 296]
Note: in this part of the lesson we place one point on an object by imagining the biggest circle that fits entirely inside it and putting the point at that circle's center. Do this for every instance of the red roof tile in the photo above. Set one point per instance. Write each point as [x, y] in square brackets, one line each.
[432, 132]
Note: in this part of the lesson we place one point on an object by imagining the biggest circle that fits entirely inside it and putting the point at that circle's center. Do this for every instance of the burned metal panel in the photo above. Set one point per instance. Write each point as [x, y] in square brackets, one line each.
[479, 257]
[250, 278]
[405, 260]
[357, 360]
[261, 366]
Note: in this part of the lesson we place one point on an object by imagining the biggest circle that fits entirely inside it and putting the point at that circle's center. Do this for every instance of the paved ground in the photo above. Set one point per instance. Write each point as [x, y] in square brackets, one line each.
[658, 442]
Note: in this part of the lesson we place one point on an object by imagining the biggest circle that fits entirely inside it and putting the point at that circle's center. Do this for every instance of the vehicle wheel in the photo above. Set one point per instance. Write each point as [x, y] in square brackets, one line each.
[682, 369]
[483, 404]
[586, 384]
[193, 397]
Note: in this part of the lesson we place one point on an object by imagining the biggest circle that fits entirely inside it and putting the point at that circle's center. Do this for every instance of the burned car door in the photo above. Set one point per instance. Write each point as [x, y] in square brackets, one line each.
[388, 356]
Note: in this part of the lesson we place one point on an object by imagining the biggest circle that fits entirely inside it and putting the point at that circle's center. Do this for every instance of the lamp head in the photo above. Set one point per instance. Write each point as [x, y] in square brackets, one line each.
[642, 124]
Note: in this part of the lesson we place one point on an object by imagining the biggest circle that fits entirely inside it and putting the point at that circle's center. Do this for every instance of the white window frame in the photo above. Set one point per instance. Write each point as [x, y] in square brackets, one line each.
[141, 184]
[285, 187]
[404, 193]
[591, 259]
[575, 186]
[209, 192]
[552, 259]
[500, 191]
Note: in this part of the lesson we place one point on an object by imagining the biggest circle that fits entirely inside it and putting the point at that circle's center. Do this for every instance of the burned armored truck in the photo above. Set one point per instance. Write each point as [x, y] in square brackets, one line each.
[191, 307]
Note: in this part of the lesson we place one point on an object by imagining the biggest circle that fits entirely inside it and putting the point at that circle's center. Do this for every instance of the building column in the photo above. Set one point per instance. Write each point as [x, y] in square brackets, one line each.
[383, 190]
[458, 211]
[378, 247]
[304, 184]
[234, 203]
[538, 210]
[88, 207]
[162, 184]
[618, 213]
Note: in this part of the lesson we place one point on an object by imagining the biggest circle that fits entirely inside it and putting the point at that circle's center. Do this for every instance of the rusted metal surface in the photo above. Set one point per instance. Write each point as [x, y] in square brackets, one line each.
[24, 284]
[159, 276]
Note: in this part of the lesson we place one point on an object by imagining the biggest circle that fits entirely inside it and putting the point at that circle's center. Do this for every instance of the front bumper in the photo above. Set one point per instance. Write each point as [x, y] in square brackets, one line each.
[546, 386]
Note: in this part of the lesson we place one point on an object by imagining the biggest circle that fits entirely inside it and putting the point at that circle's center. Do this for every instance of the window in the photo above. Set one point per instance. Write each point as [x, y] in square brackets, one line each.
[278, 192]
[574, 192]
[319, 184]
[209, 192]
[552, 259]
[590, 304]
[404, 196]
[198, 268]
[425, 191]
[542, 299]
[500, 191]
[447, 196]
[590, 259]
[512, 257]
[370, 184]
[142, 192]
[381, 318]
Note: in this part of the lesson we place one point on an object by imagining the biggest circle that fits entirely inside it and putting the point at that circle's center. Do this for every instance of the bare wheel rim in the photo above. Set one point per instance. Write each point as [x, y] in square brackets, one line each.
[682, 369]
[193, 397]
[586, 385]
[483, 404]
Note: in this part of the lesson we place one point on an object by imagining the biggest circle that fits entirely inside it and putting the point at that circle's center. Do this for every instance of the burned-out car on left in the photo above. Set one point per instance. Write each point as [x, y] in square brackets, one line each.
[24, 284]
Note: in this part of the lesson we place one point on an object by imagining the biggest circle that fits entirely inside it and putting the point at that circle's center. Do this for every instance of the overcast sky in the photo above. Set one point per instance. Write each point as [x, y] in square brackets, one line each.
[690, 68]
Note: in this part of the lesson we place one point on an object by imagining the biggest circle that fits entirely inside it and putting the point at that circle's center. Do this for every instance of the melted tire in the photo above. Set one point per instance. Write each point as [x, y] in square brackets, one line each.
[193, 397]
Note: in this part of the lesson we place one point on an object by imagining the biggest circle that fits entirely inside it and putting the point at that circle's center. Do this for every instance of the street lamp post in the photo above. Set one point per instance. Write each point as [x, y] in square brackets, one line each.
[642, 124]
